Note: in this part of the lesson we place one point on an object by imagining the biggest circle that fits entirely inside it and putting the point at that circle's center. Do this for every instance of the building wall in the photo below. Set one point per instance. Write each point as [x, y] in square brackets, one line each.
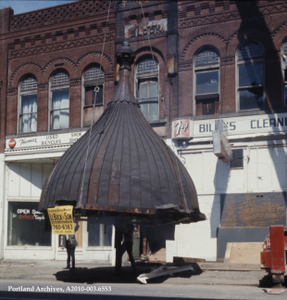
[2, 203]
[72, 36]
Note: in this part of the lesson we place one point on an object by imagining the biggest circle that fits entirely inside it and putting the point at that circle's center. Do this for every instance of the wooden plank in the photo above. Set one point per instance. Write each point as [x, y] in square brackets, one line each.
[243, 253]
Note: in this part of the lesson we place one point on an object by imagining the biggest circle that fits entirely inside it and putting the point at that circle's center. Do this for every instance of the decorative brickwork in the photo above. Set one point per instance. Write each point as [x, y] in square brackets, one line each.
[91, 57]
[71, 36]
[22, 70]
[75, 81]
[60, 46]
[208, 36]
[60, 14]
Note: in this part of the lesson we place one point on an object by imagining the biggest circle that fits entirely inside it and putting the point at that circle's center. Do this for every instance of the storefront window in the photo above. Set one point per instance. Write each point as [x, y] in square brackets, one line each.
[99, 234]
[26, 225]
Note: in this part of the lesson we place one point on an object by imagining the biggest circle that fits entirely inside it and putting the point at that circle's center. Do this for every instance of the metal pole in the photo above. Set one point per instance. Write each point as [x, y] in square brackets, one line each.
[118, 241]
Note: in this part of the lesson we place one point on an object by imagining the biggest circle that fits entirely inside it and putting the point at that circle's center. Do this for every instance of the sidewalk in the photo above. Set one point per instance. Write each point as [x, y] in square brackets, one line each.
[212, 273]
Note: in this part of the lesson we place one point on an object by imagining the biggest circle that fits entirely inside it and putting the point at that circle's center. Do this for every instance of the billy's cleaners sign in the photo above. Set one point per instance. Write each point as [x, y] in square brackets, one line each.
[241, 125]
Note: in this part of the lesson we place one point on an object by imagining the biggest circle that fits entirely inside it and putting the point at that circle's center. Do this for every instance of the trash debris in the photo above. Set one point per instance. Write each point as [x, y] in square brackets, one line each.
[274, 291]
[162, 271]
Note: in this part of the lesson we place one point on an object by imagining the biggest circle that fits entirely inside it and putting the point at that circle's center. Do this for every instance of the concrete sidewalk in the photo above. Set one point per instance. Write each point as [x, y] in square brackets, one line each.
[94, 272]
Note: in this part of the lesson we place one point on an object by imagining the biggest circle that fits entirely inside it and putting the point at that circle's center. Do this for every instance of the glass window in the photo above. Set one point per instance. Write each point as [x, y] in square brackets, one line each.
[237, 159]
[26, 225]
[60, 101]
[147, 88]
[250, 76]
[100, 234]
[207, 82]
[28, 110]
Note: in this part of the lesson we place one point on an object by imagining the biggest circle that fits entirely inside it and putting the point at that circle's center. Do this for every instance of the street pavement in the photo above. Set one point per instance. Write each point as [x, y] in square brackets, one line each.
[48, 280]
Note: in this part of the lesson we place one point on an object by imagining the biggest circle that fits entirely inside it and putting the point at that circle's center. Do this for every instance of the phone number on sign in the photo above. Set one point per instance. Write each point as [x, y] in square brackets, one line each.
[103, 288]
[63, 227]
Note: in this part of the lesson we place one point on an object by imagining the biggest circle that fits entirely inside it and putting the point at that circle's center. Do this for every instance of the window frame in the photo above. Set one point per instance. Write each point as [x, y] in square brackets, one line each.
[32, 91]
[206, 68]
[237, 158]
[91, 83]
[246, 62]
[153, 75]
[8, 237]
[92, 220]
[51, 90]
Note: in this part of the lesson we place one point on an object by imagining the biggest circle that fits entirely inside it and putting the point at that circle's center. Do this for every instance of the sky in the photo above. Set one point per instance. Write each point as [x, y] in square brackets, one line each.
[21, 6]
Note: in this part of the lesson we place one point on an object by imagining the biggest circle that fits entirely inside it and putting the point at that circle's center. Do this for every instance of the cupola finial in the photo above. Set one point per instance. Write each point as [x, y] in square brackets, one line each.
[125, 55]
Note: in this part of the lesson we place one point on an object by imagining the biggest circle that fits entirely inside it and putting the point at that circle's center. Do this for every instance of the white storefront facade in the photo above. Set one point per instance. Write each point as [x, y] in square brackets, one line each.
[26, 164]
[259, 171]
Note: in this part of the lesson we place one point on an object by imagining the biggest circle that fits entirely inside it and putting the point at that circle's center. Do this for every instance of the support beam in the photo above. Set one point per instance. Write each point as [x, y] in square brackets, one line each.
[118, 241]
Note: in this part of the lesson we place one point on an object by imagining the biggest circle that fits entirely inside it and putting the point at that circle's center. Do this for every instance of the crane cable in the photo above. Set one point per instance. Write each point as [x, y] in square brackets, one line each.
[96, 90]
[153, 58]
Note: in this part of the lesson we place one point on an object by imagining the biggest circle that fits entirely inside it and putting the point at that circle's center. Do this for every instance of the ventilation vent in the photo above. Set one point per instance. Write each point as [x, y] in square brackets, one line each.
[207, 56]
[94, 73]
[29, 83]
[60, 78]
[147, 65]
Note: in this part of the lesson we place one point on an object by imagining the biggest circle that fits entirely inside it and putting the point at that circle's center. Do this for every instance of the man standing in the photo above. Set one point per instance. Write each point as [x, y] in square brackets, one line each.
[127, 244]
[70, 243]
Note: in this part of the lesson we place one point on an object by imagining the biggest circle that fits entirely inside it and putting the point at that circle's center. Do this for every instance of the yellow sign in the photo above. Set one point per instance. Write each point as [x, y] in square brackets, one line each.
[61, 218]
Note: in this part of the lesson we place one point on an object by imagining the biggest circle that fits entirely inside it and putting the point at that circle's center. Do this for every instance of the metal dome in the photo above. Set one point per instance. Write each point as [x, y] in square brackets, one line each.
[129, 169]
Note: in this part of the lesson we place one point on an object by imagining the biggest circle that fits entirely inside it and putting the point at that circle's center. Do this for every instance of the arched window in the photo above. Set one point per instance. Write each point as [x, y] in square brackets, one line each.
[207, 82]
[147, 88]
[284, 69]
[28, 104]
[60, 101]
[93, 93]
[250, 76]
[93, 77]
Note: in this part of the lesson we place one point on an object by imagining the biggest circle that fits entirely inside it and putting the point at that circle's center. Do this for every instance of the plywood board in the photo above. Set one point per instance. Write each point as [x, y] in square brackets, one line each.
[243, 253]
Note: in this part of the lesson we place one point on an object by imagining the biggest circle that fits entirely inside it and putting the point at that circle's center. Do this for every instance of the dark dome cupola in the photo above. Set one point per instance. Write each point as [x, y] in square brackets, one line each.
[122, 167]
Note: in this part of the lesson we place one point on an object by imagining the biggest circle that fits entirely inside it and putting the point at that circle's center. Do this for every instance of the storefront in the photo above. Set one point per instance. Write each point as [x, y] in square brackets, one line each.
[241, 199]
[28, 162]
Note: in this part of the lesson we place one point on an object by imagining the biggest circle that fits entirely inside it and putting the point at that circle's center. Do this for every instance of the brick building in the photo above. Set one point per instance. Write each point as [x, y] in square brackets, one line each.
[196, 62]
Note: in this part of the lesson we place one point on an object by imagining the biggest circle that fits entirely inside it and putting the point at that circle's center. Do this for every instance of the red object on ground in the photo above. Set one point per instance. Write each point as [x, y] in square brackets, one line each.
[273, 257]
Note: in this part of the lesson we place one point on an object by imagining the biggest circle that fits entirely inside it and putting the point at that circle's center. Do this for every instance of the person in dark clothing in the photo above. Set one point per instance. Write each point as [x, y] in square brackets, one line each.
[70, 243]
[127, 244]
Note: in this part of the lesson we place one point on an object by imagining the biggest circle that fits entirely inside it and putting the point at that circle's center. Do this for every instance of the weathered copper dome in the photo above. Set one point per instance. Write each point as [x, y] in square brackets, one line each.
[129, 169]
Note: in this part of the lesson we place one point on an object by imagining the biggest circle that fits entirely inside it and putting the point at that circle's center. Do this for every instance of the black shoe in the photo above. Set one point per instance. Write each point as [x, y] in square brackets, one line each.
[67, 268]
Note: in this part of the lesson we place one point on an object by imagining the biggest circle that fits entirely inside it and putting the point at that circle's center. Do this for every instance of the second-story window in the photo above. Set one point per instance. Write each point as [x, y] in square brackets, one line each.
[147, 88]
[93, 93]
[60, 102]
[93, 82]
[28, 104]
[250, 76]
[207, 82]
